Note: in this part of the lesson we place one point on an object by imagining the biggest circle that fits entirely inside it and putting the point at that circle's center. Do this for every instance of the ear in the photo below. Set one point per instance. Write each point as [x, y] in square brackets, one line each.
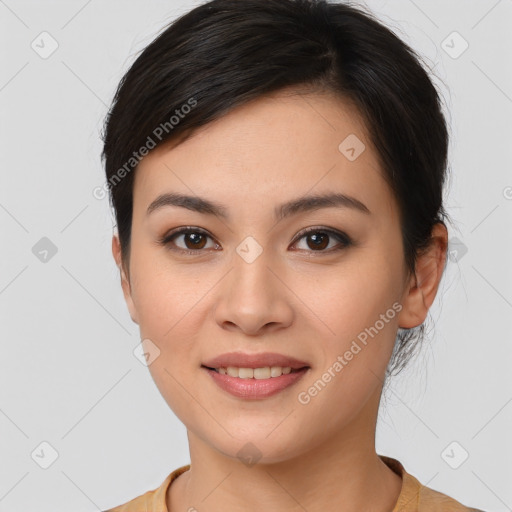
[125, 281]
[422, 288]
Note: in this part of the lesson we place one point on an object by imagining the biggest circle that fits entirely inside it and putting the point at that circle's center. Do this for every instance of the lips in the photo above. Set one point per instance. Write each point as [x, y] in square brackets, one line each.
[244, 360]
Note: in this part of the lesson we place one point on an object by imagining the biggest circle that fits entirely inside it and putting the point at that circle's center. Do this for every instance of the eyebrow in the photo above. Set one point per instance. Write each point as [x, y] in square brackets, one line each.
[288, 209]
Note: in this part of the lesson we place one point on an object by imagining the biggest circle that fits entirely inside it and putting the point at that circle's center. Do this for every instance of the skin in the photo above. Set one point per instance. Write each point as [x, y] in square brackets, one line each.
[293, 299]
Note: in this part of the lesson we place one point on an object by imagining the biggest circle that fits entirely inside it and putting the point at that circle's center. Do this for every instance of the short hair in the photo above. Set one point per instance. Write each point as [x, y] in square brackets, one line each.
[225, 53]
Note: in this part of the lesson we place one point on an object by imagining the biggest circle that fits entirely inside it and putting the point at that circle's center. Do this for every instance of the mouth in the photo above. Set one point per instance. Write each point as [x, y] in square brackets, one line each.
[255, 383]
[266, 372]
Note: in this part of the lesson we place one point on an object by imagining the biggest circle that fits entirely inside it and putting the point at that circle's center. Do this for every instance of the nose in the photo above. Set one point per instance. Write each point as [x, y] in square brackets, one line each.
[254, 298]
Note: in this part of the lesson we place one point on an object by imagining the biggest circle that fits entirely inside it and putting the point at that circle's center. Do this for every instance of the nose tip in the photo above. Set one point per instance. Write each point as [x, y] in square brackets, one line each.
[250, 303]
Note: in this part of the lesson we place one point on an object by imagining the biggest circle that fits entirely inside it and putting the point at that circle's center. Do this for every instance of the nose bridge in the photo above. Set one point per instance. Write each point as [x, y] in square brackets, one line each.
[252, 296]
[251, 268]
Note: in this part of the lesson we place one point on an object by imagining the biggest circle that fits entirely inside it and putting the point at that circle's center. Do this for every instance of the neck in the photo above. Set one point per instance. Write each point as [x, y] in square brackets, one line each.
[342, 469]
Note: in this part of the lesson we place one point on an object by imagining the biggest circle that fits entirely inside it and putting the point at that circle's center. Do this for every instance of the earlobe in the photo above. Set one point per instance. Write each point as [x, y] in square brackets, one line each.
[125, 281]
[424, 283]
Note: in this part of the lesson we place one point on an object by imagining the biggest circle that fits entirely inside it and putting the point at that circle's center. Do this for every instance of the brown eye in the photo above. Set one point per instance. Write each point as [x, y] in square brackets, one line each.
[317, 240]
[196, 240]
[192, 240]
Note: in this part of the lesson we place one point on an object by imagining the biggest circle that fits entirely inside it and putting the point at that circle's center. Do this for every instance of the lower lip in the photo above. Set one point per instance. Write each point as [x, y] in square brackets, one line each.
[255, 388]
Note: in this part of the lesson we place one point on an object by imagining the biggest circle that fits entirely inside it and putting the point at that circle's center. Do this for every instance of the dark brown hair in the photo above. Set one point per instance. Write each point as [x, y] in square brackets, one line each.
[225, 53]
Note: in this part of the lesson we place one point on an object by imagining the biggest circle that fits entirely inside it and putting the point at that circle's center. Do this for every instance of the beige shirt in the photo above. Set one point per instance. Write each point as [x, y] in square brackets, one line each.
[414, 497]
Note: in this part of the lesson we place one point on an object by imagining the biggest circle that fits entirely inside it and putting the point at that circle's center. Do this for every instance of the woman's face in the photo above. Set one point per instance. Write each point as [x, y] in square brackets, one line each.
[252, 282]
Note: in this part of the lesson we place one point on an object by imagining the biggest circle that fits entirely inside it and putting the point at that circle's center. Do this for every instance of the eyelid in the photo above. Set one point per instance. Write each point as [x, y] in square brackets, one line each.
[342, 238]
[184, 230]
[166, 239]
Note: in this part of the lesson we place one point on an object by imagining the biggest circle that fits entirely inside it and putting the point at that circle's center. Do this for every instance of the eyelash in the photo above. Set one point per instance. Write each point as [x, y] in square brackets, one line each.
[166, 240]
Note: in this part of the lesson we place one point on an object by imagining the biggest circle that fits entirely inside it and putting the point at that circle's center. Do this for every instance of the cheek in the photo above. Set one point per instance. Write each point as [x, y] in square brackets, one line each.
[351, 298]
[164, 296]
[170, 310]
[359, 305]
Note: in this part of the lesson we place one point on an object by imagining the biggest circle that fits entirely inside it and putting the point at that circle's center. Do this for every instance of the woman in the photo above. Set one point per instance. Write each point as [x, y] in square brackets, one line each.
[276, 168]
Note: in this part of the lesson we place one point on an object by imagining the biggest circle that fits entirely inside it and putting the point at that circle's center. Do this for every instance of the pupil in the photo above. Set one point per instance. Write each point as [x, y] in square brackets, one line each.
[196, 239]
[319, 240]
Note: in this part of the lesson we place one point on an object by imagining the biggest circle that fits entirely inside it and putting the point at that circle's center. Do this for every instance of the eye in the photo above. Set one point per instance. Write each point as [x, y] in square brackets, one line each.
[317, 239]
[194, 240]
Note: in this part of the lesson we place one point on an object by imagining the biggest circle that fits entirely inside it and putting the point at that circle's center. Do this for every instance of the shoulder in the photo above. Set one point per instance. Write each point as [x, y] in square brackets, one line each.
[416, 497]
[153, 500]
[431, 500]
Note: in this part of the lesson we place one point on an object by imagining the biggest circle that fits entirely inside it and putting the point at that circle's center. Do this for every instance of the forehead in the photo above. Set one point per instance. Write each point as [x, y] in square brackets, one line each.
[265, 151]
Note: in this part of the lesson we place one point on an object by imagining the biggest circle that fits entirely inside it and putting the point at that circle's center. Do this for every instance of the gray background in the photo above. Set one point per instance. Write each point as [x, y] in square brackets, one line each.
[68, 375]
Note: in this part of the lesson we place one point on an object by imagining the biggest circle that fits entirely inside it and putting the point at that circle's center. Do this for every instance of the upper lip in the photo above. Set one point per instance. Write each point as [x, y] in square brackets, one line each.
[243, 360]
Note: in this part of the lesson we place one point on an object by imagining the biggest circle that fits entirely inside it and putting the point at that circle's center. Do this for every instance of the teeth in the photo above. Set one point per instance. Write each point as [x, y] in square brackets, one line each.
[255, 373]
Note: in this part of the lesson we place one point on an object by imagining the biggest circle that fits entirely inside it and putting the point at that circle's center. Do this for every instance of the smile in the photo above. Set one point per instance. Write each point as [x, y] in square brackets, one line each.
[266, 372]
[255, 383]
